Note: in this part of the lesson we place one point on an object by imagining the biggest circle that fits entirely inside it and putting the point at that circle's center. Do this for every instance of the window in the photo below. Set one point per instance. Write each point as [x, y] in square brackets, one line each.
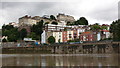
[75, 33]
[91, 35]
[70, 37]
[75, 36]
[91, 39]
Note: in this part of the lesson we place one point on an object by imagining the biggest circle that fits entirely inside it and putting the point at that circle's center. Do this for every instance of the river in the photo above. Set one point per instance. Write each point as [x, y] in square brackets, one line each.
[60, 60]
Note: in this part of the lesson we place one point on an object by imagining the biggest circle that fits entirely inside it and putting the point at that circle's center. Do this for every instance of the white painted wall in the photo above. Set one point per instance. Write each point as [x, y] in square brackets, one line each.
[43, 37]
[98, 36]
[57, 35]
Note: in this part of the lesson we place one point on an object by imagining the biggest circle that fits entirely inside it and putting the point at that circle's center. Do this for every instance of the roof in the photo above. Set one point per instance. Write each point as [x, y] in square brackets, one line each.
[88, 32]
[105, 30]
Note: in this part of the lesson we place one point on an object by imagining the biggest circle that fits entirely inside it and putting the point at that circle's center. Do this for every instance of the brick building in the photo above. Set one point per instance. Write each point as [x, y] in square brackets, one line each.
[87, 36]
[64, 36]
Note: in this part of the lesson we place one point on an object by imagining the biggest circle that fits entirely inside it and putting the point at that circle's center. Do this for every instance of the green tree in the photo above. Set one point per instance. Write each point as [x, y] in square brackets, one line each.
[68, 23]
[46, 23]
[95, 27]
[81, 21]
[115, 30]
[55, 23]
[38, 29]
[33, 36]
[52, 17]
[11, 32]
[12, 38]
[59, 40]
[51, 40]
[23, 33]
[4, 40]
[104, 27]
[6, 32]
[7, 27]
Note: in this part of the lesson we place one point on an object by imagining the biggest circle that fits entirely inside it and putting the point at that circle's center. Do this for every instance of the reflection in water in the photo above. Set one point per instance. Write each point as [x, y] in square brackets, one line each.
[43, 61]
[60, 60]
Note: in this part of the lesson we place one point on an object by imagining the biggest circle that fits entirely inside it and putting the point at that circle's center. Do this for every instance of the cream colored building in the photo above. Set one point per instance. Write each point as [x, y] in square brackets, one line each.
[38, 18]
[14, 24]
[66, 18]
[69, 35]
[58, 36]
[26, 20]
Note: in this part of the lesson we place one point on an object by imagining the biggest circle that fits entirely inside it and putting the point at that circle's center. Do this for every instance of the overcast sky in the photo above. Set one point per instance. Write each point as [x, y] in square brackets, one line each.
[95, 11]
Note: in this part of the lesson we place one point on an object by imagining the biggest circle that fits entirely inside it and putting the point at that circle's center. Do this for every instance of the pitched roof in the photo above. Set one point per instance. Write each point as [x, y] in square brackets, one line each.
[88, 32]
[105, 30]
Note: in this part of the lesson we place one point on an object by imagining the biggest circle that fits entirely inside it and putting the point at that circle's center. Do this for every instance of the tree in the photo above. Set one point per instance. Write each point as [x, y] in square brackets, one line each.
[95, 27]
[55, 23]
[11, 32]
[75, 40]
[51, 40]
[33, 36]
[7, 27]
[23, 33]
[52, 17]
[12, 38]
[4, 40]
[115, 30]
[69, 23]
[59, 40]
[104, 27]
[38, 29]
[46, 23]
[81, 21]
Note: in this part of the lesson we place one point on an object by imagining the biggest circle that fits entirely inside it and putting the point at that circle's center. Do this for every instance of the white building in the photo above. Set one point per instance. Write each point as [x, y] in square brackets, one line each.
[57, 32]
[43, 37]
[14, 24]
[69, 35]
[58, 36]
[106, 33]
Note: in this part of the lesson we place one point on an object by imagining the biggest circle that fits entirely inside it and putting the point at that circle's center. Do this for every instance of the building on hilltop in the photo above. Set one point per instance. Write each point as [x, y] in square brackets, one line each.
[26, 20]
[64, 19]
[28, 29]
[38, 18]
[14, 24]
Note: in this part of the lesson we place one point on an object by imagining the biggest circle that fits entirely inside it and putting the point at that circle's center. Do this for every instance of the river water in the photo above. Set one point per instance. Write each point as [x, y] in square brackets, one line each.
[60, 60]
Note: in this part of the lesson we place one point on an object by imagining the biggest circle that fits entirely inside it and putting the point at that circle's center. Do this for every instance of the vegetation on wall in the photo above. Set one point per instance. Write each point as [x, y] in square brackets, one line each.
[115, 30]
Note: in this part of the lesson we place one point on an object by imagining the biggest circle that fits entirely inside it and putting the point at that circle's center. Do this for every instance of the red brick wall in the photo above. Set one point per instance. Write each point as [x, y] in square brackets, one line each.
[64, 36]
[87, 37]
[75, 34]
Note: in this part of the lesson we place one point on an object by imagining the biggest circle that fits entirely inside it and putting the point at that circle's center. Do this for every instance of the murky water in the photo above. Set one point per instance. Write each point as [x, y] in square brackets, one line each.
[60, 60]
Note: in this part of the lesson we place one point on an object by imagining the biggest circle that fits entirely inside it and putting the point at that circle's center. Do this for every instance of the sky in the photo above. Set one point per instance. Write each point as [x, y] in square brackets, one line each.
[95, 11]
